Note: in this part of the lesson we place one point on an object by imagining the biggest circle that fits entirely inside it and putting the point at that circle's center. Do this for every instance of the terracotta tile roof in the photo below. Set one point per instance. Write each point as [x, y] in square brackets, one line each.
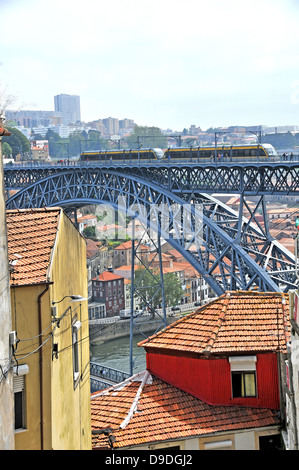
[105, 228]
[128, 245]
[92, 248]
[235, 322]
[31, 235]
[86, 217]
[107, 276]
[127, 267]
[138, 413]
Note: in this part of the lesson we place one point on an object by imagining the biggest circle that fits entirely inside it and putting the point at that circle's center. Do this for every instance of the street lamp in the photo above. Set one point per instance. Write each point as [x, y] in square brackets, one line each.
[75, 298]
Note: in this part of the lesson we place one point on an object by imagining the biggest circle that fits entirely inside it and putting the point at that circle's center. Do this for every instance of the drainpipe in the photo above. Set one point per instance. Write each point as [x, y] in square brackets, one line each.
[41, 366]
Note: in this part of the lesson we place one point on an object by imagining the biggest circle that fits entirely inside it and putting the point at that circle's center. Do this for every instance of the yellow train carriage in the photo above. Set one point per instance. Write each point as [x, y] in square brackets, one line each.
[223, 153]
[122, 155]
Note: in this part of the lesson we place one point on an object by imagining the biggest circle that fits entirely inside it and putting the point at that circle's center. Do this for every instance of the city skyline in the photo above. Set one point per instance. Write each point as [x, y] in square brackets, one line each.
[209, 64]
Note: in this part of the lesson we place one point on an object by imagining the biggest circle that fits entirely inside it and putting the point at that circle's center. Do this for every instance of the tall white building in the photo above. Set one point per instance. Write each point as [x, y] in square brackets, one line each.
[69, 106]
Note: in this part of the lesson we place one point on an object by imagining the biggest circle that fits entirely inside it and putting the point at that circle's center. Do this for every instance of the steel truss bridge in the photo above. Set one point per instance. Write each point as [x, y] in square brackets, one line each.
[176, 201]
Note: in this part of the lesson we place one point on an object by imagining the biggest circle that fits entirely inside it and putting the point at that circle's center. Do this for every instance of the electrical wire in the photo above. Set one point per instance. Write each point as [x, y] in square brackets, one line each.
[36, 350]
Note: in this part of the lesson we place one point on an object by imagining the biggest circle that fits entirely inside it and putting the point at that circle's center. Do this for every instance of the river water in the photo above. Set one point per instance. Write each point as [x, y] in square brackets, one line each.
[116, 354]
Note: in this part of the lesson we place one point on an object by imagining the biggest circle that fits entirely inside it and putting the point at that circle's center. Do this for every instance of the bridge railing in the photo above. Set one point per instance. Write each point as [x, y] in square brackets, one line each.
[102, 372]
[97, 385]
[76, 163]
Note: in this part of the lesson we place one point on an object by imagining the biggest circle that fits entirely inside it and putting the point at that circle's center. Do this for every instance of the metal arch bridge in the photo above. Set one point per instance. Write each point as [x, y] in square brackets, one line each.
[175, 200]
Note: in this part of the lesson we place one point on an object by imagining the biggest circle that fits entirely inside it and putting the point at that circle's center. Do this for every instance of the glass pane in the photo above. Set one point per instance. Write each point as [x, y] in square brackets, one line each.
[237, 384]
[18, 410]
[250, 385]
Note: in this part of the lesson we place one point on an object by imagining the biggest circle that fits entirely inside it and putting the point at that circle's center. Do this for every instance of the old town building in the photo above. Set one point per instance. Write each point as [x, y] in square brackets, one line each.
[50, 318]
[212, 381]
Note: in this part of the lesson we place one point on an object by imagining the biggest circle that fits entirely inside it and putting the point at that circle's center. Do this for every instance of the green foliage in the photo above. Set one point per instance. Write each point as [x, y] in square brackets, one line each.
[6, 150]
[18, 142]
[148, 284]
[89, 232]
[146, 138]
[75, 144]
[281, 140]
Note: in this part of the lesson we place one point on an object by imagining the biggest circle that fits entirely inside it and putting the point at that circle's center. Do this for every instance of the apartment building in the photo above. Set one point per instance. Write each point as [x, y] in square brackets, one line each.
[69, 107]
[108, 288]
[213, 379]
[50, 317]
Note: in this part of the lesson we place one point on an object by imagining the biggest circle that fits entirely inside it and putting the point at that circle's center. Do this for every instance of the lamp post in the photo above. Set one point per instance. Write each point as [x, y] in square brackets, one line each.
[75, 298]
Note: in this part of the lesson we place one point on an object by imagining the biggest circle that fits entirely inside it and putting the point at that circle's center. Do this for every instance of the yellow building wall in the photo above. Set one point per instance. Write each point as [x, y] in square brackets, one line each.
[71, 418]
[66, 419]
[25, 321]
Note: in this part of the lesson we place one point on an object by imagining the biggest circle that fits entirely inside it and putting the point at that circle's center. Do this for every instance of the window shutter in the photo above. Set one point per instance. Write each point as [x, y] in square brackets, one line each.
[18, 383]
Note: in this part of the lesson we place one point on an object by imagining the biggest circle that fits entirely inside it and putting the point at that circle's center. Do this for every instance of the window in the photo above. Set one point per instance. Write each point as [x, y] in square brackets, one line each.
[218, 445]
[243, 384]
[19, 396]
[75, 343]
[243, 376]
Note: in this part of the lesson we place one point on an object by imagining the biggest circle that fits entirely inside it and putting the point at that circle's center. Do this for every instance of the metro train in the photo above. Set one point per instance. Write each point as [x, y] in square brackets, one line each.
[223, 153]
[122, 155]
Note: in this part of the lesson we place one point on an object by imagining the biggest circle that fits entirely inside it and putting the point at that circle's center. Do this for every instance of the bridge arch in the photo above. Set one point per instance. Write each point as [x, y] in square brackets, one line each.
[211, 242]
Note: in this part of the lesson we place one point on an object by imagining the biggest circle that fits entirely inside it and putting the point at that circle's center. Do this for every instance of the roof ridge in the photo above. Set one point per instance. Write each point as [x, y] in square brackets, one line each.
[180, 320]
[220, 320]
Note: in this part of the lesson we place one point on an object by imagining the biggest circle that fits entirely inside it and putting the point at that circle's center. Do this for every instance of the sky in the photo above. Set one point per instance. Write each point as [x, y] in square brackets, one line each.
[164, 63]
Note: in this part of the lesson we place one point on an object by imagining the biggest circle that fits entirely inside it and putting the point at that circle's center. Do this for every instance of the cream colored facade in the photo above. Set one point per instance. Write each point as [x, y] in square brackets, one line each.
[243, 440]
[57, 393]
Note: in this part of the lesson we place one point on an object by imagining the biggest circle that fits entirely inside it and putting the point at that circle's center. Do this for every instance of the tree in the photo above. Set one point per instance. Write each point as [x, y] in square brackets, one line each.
[89, 232]
[6, 150]
[148, 285]
[148, 137]
[18, 142]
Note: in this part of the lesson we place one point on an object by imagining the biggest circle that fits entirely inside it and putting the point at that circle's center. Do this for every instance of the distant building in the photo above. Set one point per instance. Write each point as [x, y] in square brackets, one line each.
[108, 288]
[96, 310]
[111, 125]
[39, 150]
[123, 254]
[88, 220]
[31, 119]
[69, 106]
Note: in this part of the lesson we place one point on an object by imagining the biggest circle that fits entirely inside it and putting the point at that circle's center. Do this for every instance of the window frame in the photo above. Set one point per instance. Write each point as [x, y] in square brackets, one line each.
[243, 375]
[19, 387]
[76, 325]
[243, 366]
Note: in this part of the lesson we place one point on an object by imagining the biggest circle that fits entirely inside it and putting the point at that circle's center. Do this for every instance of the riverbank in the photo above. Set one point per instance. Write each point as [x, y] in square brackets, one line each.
[102, 332]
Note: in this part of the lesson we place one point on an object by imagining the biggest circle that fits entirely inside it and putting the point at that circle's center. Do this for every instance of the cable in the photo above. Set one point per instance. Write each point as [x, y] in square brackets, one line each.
[37, 336]
[37, 349]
